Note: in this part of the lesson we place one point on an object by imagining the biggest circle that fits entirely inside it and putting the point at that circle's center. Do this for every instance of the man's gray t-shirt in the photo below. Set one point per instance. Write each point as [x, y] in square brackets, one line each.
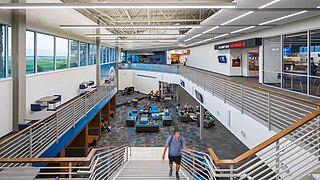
[175, 146]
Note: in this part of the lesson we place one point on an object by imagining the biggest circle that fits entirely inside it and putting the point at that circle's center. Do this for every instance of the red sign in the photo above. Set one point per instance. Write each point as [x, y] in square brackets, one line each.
[237, 44]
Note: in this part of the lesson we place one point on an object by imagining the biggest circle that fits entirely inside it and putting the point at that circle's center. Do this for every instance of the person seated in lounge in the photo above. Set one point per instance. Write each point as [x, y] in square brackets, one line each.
[105, 122]
[151, 94]
[177, 107]
[157, 94]
[166, 110]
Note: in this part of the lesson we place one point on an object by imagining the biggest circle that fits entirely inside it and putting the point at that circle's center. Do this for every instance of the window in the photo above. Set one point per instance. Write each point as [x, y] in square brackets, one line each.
[9, 62]
[45, 52]
[2, 51]
[83, 53]
[108, 55]
[61, 53]
[30, 60]
[74, 53]
[102, 55]
[92, 54]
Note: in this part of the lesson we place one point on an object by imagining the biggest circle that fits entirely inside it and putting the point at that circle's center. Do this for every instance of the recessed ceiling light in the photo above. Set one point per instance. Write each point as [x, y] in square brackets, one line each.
[268, 4]
[281, 18]
[241, 16]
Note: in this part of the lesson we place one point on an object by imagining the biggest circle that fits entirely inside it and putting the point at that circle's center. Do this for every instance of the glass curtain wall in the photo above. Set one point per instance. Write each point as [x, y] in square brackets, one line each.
[45, 52]
[30, 59]
[2, 51]
[83, 53]
[61, 53]
[74, 54]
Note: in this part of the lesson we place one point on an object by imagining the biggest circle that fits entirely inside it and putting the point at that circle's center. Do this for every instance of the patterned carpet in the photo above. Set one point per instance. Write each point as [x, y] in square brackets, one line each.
[120, 132]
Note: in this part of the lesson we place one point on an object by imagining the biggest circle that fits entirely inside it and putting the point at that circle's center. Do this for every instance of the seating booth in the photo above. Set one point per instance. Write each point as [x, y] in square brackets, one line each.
[94, 130]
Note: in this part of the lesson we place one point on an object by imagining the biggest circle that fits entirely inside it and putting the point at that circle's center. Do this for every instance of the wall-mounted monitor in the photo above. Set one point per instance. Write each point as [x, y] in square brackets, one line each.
[198, 96]
[222, 59]
[182, 83]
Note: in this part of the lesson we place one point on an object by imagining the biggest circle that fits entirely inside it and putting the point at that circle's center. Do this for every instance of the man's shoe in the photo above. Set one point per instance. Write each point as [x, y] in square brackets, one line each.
[177, 176]
[170, 172]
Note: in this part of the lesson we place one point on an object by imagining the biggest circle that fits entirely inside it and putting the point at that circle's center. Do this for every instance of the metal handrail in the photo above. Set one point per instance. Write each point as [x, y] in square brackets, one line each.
[31, 142]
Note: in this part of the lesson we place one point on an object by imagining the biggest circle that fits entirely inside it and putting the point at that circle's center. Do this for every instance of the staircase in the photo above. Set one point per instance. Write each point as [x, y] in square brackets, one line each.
[148, 169]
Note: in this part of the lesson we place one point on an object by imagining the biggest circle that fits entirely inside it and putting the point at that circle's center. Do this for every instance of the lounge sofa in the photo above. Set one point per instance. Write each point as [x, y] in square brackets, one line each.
[183, 117]
[157, 116]
[147, 127]
[167, 120]
[131, 120]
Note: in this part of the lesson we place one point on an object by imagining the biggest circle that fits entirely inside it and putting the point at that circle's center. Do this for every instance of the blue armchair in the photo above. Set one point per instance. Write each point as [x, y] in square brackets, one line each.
[154, 109]
[131, 120]
[141, 108]
[167, 120]
[133, 113]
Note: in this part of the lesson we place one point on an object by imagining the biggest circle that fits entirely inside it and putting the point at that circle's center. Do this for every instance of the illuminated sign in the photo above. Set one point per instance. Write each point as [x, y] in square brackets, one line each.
[240, 44]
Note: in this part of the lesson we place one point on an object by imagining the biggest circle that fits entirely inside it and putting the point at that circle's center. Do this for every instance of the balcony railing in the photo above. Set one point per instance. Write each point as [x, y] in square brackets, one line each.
[34, 140]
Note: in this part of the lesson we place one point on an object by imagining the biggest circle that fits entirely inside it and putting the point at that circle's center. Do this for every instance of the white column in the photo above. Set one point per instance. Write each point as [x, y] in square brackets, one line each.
[18, 65]
[201, 121]
[98, 58]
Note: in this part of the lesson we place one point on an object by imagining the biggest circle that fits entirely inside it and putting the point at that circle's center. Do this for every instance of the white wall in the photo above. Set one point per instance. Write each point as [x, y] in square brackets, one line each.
[145, 84]
[64, 82]
[204, 56]
[6, 106]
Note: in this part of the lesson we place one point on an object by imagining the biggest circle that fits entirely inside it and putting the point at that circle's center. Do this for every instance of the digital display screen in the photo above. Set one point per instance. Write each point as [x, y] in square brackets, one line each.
[182, 83]
[199, 96]
[222, 59]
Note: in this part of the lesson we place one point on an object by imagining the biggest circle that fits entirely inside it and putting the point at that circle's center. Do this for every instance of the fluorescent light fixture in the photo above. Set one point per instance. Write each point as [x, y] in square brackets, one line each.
[222, 35]
[139, 40]
[318, 7]
[207, 40]
[187, 40]
[135, 35]
[196, 36]
[268, 4]
[108, 5]
[234, 19]
[240, 30]
[128, 27]
[216, 27]
[284, 17]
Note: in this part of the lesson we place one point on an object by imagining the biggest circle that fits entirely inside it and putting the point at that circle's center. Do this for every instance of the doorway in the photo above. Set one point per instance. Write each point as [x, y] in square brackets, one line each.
[253, 62]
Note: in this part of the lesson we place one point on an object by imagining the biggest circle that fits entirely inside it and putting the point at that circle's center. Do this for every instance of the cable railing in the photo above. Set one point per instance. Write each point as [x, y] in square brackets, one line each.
[290, 153]
[274, 109]
[38, 137]
[101, 163]
[198, 165]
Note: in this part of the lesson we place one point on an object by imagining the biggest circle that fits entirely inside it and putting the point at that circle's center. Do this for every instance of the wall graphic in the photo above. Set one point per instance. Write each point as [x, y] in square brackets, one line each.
[108, 70]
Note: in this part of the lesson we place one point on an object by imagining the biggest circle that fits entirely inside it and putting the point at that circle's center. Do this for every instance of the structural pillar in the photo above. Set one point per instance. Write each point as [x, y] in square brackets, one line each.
[98, 74]
[18, 47]
[118, 53]
[201, 121]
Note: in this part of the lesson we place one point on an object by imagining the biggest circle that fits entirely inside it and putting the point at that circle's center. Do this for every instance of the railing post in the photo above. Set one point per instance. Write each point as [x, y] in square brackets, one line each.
[30, 142]
[213, 82]
[70, 170]
[57, 128]
[241, 99]
[269, 111]
[225, 91]
[231, 172]
[277, 159]
[73, 115]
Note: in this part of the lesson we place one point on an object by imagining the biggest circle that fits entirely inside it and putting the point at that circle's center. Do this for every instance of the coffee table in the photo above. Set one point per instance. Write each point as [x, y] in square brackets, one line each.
[144, 120]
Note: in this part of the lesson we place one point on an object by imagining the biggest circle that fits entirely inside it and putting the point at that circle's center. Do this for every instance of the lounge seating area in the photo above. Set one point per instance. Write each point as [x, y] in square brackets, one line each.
[147, 127]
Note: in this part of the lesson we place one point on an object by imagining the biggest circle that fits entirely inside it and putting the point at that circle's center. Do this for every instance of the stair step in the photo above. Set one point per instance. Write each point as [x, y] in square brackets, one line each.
[150, 178]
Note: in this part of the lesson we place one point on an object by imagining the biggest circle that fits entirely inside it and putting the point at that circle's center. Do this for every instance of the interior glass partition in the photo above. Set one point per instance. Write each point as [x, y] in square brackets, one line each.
[295, 62]
[314, 72]
[272, 61]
